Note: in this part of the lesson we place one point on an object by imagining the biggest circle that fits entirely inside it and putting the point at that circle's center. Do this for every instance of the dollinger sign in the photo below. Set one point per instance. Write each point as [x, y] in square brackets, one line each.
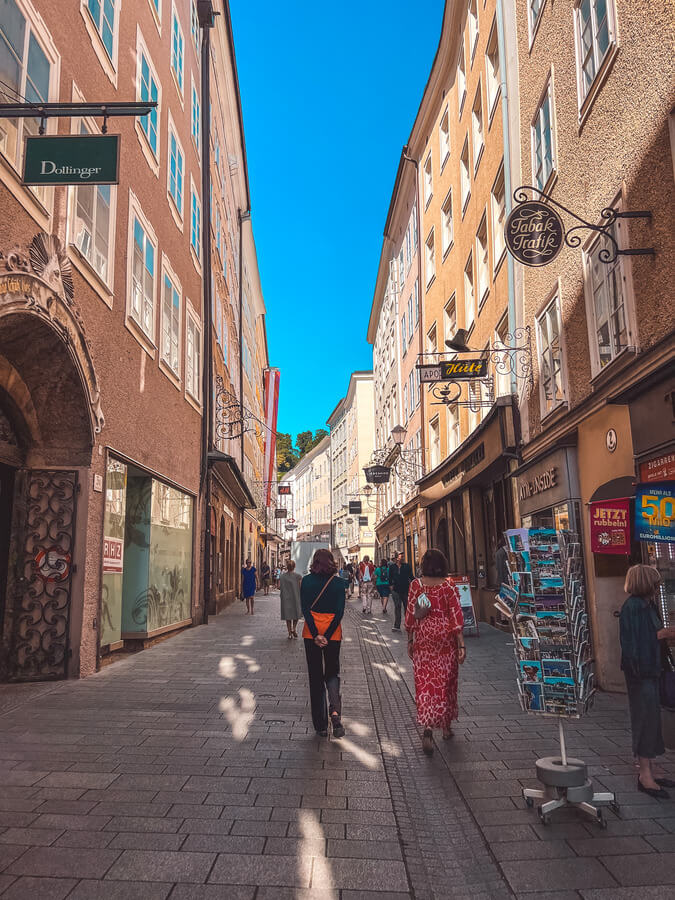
[534, 233]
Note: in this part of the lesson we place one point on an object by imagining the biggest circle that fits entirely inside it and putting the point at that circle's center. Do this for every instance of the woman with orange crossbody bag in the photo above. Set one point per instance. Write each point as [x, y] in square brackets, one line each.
[322, 595]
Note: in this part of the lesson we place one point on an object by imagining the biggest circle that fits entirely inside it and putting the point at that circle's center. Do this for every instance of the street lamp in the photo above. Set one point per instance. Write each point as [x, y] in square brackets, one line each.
[398, 435]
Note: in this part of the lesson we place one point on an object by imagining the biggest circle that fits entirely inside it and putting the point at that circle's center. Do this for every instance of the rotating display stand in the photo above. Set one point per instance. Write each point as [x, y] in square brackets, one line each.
[546, 605]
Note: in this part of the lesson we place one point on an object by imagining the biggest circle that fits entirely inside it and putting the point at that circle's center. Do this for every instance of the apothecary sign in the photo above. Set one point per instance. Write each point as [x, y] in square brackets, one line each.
[534, 233]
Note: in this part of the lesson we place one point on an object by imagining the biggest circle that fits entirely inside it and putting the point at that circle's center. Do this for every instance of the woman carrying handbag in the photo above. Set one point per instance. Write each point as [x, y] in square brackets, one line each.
[322, 595]
[434, 624]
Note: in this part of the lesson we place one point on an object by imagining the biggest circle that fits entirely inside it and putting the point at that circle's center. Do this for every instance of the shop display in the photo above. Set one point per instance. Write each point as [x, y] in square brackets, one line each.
[546, 605]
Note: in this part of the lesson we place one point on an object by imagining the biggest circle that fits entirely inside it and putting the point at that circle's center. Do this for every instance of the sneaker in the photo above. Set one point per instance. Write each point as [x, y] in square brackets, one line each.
[338, 727]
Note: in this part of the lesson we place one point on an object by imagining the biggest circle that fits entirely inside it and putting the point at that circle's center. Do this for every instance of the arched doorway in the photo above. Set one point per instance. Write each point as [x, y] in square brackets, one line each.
[49, 415]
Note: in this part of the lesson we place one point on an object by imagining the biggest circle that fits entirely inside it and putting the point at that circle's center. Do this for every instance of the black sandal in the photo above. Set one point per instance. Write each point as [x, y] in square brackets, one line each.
[428, 742]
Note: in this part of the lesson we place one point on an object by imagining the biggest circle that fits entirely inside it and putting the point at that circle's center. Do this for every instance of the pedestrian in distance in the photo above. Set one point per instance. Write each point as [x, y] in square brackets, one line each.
[322, 595]
[349, 571]
[366, 585]
[277, 577]
[642, 661]
[289, 586]
[502, 562]
[434, 624]
[265, 575]
[249, 584]
[400, 578]
[382, 583]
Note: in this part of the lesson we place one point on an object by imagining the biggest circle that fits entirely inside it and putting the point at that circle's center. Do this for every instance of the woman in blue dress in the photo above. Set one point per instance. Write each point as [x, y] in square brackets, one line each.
[249, 584]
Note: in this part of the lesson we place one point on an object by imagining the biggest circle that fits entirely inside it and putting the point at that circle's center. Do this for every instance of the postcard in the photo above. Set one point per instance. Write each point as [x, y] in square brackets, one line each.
[550, 601]
[557, 671]
[518, 539]
[529, 643]
[509, 595]
[525, 585]
[525, 627]
[545, 585]
[550, 617]
[532, 696]
[530, 670]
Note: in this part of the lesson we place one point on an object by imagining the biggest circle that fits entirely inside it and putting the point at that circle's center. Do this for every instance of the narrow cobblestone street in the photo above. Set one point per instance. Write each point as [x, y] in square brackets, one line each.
[192, 770]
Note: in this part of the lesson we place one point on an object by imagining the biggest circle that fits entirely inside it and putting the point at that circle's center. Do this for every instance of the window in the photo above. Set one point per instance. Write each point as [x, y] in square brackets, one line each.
[411, 327]
[414, 227]
[25, 71]
[493, 76]
[430, 258]
[142, 287]
[408, 248]
[535, 8]
[482, 267]
[453, 428]
[477, 128]
[177, 45]
[469, 295]
[465, 176]
[405, 402]
[195, 221]
[595, 37]
[428, 181]
[411, 390]
[92, 233]
[219, 245]
[432, 345]
[170, 347]
[103, 15]
[416, 293]
[447, 230]
[461, 77]
[434, 443]
[147, 90]
[542, 141]
[193, 355]
[444, 139]
[194, 25]
[605, 292]
[176, 169]
[196, 116]
[498, 203]
[403, 335]
[473, 26]
[450, 318]
[550, 357]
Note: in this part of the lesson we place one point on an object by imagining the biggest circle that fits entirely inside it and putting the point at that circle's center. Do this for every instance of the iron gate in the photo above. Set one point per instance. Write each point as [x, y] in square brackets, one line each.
[38, 609]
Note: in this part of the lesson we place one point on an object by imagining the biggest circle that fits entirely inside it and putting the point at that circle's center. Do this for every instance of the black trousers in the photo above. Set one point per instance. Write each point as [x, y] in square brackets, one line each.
[645, 716]
[323, 666]
[399, 601]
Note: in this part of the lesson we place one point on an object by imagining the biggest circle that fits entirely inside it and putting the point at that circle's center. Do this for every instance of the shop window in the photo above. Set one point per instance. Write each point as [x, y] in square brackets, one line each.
[549, 342]
[447, 229]
[493, 76]
[595, 38]
[543, 153]
[92, 226]
[444, 139]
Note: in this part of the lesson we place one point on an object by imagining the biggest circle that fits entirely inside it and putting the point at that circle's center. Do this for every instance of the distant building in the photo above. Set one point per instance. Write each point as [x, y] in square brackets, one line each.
[308, 504]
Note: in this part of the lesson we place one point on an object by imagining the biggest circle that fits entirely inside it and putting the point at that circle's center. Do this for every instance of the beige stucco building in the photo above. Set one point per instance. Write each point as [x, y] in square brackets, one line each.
[309, 501]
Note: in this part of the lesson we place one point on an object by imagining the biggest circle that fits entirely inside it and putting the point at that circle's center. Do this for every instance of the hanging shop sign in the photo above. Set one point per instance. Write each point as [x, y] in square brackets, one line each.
[363, 520]
[72, 159]
[453, 370]
[655, 512]
[610, 526]
[280, 513]
[377, 474]
[355, 507]
[534, 233]
[284, 489]
[661, 468]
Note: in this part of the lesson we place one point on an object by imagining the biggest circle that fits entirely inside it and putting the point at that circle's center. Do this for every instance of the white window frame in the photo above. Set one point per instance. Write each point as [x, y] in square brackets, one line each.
[447, 225]
[434, 429]
[145, 339]
[156, 13]
[533, 22]
[474, 28]
[104, 287]
[498, 246]
[553, 300]
[444, 138]
[465, 175]
[404, 336]
[195, 102]
[477, 128]
[432, 342]
[152, 156]
[194, 27]
[428, 180]
[178, 77]
[172, 373]
[196, 253]
[450, 317]
[502, 380]
[546, 98]
[493, 82]
[585, 97]
[193, 392]
[453, 427]
[461, 76]
[482, 269]
[176, 211]
[470, 304]
[430, 258]
[108, 64]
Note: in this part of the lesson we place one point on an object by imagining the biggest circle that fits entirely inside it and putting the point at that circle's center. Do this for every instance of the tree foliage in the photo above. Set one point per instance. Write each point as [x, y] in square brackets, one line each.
[289, 455]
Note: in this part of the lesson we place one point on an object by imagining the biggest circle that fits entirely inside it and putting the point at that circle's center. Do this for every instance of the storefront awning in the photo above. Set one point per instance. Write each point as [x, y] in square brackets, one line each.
[229, 473]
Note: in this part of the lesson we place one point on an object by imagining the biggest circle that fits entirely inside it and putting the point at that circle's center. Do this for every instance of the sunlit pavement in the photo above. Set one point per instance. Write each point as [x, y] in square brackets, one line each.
[191, 770]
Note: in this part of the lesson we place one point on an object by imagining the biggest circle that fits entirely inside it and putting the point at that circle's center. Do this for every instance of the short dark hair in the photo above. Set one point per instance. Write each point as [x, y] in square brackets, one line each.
[323, 563]
[435, 565]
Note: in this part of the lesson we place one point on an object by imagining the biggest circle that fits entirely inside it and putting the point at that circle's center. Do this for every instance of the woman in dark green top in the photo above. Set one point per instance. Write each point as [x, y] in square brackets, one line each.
[322, 595]
[641, 629]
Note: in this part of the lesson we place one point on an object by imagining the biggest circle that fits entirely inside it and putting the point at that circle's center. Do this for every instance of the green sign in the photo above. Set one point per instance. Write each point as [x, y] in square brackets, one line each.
[72, 159]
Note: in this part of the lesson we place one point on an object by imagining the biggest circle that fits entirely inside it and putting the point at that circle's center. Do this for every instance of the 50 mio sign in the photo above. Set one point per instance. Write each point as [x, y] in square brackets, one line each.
[72, 159]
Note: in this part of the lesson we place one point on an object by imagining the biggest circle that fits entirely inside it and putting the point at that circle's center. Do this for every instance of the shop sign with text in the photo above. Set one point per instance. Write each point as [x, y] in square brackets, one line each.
[610, 526]
[377, 474]
[355, 507]
[280, 513]
[655, 512]
[661, 468]
[284, 489]
[72, 159]
[534, 233]
[453, 370]
[113, 555]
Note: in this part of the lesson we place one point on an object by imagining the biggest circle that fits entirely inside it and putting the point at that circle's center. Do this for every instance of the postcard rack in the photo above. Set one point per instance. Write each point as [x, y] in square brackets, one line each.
[546, 604]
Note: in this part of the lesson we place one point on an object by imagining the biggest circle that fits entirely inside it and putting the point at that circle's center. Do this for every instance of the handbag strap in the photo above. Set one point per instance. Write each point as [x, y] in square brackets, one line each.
[320, 595]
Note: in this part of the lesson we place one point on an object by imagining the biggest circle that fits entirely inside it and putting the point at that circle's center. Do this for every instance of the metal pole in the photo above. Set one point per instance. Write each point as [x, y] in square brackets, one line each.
[561, 735]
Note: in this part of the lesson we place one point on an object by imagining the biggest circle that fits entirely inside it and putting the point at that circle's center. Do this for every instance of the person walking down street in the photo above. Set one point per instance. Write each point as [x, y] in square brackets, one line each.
[265, 577]
[289, 586]
[366, 584]
[382, 583]
[640, 631]
[434, 623]
[277, 577]
[322, 596]
[349, 569]
[249, 584]
[400, 577]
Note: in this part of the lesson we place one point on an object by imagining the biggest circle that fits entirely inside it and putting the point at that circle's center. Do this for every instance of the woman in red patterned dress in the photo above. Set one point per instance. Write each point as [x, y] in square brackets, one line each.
[436, 647]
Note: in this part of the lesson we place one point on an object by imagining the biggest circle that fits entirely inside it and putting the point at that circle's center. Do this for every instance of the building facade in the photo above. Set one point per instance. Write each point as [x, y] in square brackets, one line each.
[352, 431]
[600, 417]
[308, 504]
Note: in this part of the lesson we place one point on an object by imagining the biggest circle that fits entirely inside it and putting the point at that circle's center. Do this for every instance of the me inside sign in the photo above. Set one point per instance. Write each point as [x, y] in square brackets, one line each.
[72, 159]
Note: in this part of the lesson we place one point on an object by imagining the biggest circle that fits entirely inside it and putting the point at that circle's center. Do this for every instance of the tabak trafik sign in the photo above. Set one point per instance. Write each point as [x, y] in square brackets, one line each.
[534, 233]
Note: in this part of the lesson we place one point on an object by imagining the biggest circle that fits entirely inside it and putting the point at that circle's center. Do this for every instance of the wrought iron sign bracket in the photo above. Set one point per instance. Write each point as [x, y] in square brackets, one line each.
[233, 419]
[44, 111]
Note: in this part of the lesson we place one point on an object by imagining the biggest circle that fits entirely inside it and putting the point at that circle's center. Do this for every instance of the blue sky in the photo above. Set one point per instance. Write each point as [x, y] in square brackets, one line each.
[329, 94]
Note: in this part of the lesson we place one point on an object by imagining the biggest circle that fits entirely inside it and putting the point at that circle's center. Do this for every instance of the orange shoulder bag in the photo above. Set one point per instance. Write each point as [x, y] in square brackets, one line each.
[322, 620]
